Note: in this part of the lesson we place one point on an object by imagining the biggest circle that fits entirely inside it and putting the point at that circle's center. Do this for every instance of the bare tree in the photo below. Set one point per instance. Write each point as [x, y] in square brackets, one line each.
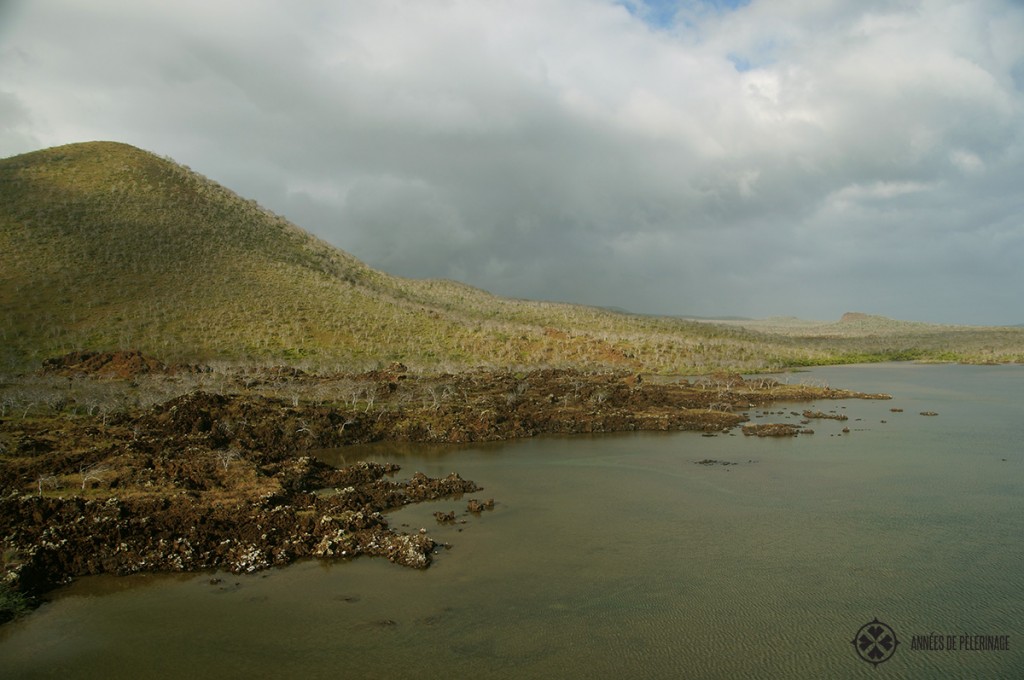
[93, 473]
[435, 395]
[46, 481]
[225, 457]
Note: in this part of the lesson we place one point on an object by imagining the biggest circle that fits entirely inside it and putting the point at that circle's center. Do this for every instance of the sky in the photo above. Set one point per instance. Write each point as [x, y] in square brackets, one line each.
[765, 158]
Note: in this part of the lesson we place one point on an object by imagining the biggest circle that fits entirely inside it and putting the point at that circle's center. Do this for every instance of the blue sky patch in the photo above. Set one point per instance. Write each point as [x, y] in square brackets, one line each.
[662, 13]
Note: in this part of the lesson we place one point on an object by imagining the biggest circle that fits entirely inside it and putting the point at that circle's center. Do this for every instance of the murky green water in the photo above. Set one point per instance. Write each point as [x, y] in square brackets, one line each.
[618, 556]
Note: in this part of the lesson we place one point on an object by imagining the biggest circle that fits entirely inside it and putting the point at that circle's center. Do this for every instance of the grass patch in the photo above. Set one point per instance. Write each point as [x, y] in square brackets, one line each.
[12, 603]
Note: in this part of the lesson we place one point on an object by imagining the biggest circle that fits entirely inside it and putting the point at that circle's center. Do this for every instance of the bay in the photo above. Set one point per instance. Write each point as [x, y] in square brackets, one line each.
[623, 556]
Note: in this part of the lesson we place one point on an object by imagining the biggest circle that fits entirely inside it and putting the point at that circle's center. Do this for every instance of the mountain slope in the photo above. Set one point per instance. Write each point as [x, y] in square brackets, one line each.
[106, 246]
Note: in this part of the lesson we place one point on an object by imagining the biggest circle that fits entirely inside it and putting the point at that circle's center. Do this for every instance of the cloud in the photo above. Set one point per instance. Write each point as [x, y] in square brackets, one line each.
[788, 157]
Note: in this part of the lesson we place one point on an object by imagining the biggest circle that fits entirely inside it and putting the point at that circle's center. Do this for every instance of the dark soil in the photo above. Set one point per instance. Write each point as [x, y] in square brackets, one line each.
[124, 364]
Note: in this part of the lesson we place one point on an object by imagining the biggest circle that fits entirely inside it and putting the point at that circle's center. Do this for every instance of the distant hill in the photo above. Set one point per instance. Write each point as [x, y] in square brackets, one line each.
[105, 246]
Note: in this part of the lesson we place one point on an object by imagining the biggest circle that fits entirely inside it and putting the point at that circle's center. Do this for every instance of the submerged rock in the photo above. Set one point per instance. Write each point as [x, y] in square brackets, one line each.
[445, 517]
[477, 507]
[772, 429]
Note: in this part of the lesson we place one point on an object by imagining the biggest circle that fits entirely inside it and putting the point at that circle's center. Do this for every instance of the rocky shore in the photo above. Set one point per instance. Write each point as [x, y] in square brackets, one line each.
[223, 473]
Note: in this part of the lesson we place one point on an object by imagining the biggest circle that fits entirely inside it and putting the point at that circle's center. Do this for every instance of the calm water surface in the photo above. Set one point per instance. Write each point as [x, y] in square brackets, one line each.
[619, 556]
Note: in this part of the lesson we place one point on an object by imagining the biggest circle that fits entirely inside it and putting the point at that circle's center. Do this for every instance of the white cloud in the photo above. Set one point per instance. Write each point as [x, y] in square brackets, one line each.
[966, 161]
[876, 191]
[567, 149]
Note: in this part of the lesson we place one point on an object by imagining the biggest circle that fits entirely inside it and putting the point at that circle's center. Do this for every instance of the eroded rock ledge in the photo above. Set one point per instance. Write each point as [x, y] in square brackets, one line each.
[54, 538]
[221, 477]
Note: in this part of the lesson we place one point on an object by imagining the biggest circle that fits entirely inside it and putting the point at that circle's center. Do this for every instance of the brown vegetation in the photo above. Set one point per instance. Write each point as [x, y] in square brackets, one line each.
[169, 475]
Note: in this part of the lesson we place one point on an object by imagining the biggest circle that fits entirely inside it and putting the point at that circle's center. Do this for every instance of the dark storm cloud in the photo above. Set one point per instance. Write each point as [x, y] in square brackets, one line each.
[793, 157]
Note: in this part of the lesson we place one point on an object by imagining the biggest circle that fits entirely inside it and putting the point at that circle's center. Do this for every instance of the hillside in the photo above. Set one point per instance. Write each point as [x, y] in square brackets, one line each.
[866, 337]
[105, 246]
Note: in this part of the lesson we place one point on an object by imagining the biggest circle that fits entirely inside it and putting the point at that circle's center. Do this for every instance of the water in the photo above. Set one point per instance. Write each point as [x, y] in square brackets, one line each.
[618, 556]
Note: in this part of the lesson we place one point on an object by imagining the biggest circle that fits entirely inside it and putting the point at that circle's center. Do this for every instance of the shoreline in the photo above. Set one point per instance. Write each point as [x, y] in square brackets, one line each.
[225, 480]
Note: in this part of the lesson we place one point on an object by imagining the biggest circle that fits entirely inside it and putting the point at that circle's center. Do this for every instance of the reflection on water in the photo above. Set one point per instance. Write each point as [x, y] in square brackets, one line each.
[620, 556]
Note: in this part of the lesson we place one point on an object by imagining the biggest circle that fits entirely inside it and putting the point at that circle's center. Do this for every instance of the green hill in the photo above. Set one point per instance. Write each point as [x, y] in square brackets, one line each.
[105, 246]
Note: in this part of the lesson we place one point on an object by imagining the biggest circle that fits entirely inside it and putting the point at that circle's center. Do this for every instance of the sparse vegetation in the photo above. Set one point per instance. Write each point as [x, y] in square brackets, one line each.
[12, 603]
[171, 476]
[105, 246]
[279, 344]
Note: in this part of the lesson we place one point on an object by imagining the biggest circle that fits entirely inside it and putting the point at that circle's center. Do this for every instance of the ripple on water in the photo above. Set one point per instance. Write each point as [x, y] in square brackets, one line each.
[619, 557]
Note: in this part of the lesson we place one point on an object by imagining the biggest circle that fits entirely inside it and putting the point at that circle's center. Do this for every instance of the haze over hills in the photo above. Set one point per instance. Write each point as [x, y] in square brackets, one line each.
[105, 246]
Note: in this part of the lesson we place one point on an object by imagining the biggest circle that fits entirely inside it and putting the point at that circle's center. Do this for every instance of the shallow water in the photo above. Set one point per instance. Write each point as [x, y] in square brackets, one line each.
[619, 556]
